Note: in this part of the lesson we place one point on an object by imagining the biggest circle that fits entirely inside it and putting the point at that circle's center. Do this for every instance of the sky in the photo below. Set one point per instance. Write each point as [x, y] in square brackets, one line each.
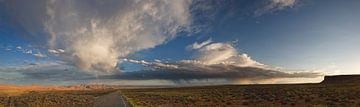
[183, 42]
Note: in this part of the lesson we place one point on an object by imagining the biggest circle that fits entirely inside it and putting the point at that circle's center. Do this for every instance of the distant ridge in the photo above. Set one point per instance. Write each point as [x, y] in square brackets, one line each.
[342, 79]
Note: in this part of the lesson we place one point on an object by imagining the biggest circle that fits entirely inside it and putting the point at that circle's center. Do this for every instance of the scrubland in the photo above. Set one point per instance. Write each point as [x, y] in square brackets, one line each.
[55, 98]
[300, 95]
[310, 95]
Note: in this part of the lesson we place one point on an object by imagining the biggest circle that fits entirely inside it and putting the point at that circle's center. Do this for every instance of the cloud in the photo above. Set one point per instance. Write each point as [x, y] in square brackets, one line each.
[39, 55]
[8, 49]
[214, 61]
[275, 5]
[19, 47]
[224, 53]
[56, 51]
[29, 52]
[47, 73]
[199, 45]
[189, 71]
[96, 34]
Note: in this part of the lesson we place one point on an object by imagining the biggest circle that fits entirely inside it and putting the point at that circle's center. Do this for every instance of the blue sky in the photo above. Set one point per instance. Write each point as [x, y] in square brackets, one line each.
[283, 35]
[309, 36]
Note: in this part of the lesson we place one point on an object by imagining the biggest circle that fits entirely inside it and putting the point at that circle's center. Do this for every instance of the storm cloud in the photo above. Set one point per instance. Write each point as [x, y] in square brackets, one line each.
[97, 36]
[213, 61]
[94, 34]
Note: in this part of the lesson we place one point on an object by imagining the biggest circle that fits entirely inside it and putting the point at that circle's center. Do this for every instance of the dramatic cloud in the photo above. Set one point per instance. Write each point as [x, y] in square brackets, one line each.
[95, 34]
[275, 5]
[224, 53]
[214, 61]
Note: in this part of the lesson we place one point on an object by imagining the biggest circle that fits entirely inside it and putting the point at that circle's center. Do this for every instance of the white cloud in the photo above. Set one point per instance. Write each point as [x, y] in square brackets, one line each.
[56, 51]
[97, 37]
[283, 3]
[212, 54]
[275, 5]
[217, 61]
[7, 48]
[52, 51]
[39, 55]
[29, 52]
[224, 53]
[157, 60]
[199, 45]
[18, 47]
[96, 34]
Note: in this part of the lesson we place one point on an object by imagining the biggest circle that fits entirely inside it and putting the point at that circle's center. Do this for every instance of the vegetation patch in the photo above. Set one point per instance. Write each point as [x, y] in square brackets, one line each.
[247, 95]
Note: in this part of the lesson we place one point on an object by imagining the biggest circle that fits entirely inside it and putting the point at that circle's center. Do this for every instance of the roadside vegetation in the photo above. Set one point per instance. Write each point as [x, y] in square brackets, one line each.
[309, 95]
[250, 95]
[74, 98]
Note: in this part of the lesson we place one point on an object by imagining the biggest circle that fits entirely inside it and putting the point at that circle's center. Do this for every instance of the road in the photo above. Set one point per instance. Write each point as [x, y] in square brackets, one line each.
[111, 100]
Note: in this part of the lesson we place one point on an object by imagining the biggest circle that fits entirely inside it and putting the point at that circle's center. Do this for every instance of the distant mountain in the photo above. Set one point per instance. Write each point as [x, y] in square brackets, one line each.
[342, 79]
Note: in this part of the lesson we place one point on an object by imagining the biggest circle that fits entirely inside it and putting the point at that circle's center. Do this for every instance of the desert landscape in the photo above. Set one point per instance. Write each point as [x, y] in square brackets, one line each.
[327, 93]
[338, 91]
[179, 53]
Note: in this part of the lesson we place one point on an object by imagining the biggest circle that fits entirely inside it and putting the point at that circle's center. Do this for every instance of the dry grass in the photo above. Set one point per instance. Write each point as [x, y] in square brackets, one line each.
[74, 98]
[231, 96]
[12, 92]
[255, 95]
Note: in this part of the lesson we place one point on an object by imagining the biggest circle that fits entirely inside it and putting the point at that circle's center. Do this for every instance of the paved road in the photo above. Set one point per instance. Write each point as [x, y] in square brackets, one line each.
[111, 100]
